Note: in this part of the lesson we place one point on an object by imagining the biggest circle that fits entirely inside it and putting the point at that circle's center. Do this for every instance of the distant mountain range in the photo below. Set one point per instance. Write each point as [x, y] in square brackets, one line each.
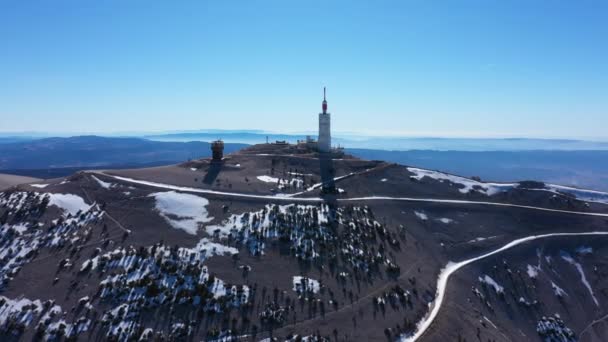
[56, 157]
[354, 140]
[396, 143]
[93, 151]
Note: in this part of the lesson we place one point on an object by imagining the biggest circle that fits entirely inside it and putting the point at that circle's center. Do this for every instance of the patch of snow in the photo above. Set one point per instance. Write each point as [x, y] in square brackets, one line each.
[92, 263]
[281, 182]
[467, 185]
[303, 284]
[524, 301]
[383, 180]
[193, 169]
[21, 227]
[421, 215]
[214, 248]
[20, 311]
[488, 280]
[580, 194]
[69, 203]
[40, 186]
[445, 220]
[299, 174]
[532, 271]
[268, 179]
[147, 334]
[481, 238]
[182, 211]
[50, 313]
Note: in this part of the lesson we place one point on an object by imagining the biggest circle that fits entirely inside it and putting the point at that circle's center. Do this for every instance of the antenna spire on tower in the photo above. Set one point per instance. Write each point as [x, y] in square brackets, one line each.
[324, 106]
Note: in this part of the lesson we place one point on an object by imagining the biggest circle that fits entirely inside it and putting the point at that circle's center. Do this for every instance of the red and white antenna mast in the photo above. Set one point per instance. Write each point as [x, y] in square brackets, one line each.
[324, 102]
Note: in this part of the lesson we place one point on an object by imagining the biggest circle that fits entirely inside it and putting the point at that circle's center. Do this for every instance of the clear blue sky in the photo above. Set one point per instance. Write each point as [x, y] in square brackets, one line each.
[442, 68]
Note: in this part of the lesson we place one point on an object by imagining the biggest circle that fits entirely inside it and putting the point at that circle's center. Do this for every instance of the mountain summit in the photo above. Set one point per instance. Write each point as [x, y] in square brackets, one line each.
[258, 246]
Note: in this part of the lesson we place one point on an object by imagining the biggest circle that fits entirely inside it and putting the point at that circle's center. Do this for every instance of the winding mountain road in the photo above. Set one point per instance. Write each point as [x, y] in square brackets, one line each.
[452, 267]
[352, 199]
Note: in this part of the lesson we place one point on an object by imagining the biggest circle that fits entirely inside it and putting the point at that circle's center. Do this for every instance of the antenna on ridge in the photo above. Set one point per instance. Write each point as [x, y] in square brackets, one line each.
[323, 93]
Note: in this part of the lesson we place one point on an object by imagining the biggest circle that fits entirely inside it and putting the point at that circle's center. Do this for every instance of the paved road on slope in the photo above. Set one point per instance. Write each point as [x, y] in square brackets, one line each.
[451, 268]
[370, 198]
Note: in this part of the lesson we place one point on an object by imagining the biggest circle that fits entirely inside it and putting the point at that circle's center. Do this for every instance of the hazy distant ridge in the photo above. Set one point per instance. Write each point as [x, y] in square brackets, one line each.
[86, 151]
[397, 143]
[54, 157]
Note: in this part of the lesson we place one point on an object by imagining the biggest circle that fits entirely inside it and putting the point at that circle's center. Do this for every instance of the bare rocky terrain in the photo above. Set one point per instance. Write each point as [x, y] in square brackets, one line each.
[7, 180]
[252, 248]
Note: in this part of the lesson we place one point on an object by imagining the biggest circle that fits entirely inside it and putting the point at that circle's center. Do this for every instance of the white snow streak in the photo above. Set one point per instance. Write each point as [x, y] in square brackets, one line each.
[421, 215]
[581, 194]
[268, 179]
[488, 280]
[103, 184]
[558, 290]
[580, 270]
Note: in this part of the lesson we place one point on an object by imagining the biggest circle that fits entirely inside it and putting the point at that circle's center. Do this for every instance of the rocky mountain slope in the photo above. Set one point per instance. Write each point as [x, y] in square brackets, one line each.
[252, 249]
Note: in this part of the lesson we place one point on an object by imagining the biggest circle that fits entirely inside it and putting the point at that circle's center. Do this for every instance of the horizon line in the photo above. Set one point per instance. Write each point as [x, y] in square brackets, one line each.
[344, 134]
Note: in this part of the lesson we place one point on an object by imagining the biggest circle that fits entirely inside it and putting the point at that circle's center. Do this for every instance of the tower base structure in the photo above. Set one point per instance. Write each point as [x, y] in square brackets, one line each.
[324, 142]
